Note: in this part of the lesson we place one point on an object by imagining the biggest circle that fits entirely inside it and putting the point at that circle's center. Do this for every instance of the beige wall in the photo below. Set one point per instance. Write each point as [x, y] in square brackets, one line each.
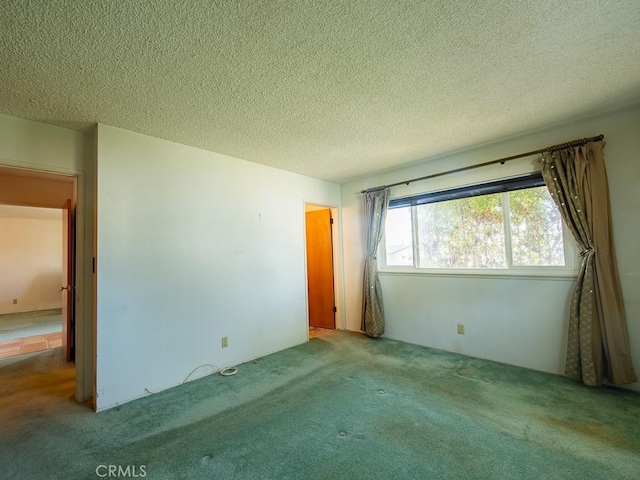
[30, 259]
[23, 187]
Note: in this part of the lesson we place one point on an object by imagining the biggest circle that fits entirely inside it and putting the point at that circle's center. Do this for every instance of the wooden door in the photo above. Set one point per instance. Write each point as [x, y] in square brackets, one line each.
[67, 288]
[320, 269]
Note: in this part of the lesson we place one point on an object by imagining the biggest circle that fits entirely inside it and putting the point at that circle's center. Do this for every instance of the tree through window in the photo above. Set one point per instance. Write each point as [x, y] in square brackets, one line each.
[508, 224]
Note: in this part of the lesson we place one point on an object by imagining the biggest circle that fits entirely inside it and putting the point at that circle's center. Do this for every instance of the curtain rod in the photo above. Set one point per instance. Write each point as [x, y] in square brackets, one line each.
[573, 143]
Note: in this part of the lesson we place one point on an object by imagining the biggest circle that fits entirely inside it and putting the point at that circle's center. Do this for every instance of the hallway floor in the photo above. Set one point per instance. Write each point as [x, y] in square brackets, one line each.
[317, 331]
[29, 332]
[35, 343]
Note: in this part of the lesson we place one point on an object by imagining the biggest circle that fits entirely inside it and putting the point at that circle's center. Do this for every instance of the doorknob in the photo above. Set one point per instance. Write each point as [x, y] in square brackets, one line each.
[64, 288]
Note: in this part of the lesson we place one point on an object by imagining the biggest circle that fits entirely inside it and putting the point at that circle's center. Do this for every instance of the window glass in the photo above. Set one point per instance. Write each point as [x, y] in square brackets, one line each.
[536, 228]
[464, 233]
[399, 237]
[511, 225]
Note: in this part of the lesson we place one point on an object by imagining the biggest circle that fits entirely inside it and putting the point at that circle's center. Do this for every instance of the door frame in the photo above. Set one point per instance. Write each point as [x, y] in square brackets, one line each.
[338, 274]
[83, 302]
[68, 281]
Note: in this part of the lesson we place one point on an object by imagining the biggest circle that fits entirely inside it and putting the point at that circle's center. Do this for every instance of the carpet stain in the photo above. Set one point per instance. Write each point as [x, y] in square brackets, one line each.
[596, 432]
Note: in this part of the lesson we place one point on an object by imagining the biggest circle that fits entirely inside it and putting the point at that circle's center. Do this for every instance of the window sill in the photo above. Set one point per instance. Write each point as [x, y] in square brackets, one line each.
[496, 274]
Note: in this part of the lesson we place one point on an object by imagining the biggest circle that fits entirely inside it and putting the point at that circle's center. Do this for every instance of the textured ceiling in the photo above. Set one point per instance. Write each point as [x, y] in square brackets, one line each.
[330, 89]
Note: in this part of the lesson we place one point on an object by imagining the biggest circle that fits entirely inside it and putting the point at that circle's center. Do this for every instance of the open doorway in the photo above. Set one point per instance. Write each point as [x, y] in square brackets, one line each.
[37, 276]
[31, 260]
[320, 270]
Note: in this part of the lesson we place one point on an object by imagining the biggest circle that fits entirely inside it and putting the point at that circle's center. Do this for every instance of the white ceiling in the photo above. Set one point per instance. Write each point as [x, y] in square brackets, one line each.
[330, 89]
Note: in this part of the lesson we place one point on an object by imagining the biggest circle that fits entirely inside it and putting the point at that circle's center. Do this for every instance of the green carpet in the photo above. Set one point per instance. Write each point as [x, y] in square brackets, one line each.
[340, 406]
[27, 324]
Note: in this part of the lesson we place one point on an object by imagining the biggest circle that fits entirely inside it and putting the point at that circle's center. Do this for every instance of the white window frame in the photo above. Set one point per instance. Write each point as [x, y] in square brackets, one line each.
[569, 269]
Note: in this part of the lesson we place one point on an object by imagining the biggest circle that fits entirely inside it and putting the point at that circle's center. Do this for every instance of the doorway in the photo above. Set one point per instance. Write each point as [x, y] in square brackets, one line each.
[320, 270]
[31, 259]
[48, 296]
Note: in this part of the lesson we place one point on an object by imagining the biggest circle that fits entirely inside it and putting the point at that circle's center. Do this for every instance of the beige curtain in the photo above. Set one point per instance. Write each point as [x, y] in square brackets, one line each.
[376, 204]
[598, 344]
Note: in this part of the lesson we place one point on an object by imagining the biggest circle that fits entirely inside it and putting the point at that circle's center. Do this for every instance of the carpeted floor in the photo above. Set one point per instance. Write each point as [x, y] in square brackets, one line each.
[28, 324]
[340, 406]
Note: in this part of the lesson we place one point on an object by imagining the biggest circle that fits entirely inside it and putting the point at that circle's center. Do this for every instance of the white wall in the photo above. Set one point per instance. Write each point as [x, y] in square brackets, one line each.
[194, 246]
[30, 259]
[38, 146]
[520, 321]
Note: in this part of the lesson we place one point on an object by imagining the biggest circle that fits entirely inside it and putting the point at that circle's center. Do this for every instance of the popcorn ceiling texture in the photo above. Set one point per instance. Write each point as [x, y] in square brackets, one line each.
[330, 89]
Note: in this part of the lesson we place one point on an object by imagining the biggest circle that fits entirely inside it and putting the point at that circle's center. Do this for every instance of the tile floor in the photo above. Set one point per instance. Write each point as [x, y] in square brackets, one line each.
[317, 331]
[36, 343]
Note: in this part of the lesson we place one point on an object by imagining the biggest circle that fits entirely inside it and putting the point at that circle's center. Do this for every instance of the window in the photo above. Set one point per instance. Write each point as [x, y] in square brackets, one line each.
[510, 225]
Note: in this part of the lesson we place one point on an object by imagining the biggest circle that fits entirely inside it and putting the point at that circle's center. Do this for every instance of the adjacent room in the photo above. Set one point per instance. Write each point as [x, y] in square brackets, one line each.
[350, 239]
[30, 272]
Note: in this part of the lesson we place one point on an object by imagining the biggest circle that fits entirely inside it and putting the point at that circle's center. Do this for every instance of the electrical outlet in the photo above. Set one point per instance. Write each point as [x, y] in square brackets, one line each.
[225, 342]
[15, 300]
[460, 329]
